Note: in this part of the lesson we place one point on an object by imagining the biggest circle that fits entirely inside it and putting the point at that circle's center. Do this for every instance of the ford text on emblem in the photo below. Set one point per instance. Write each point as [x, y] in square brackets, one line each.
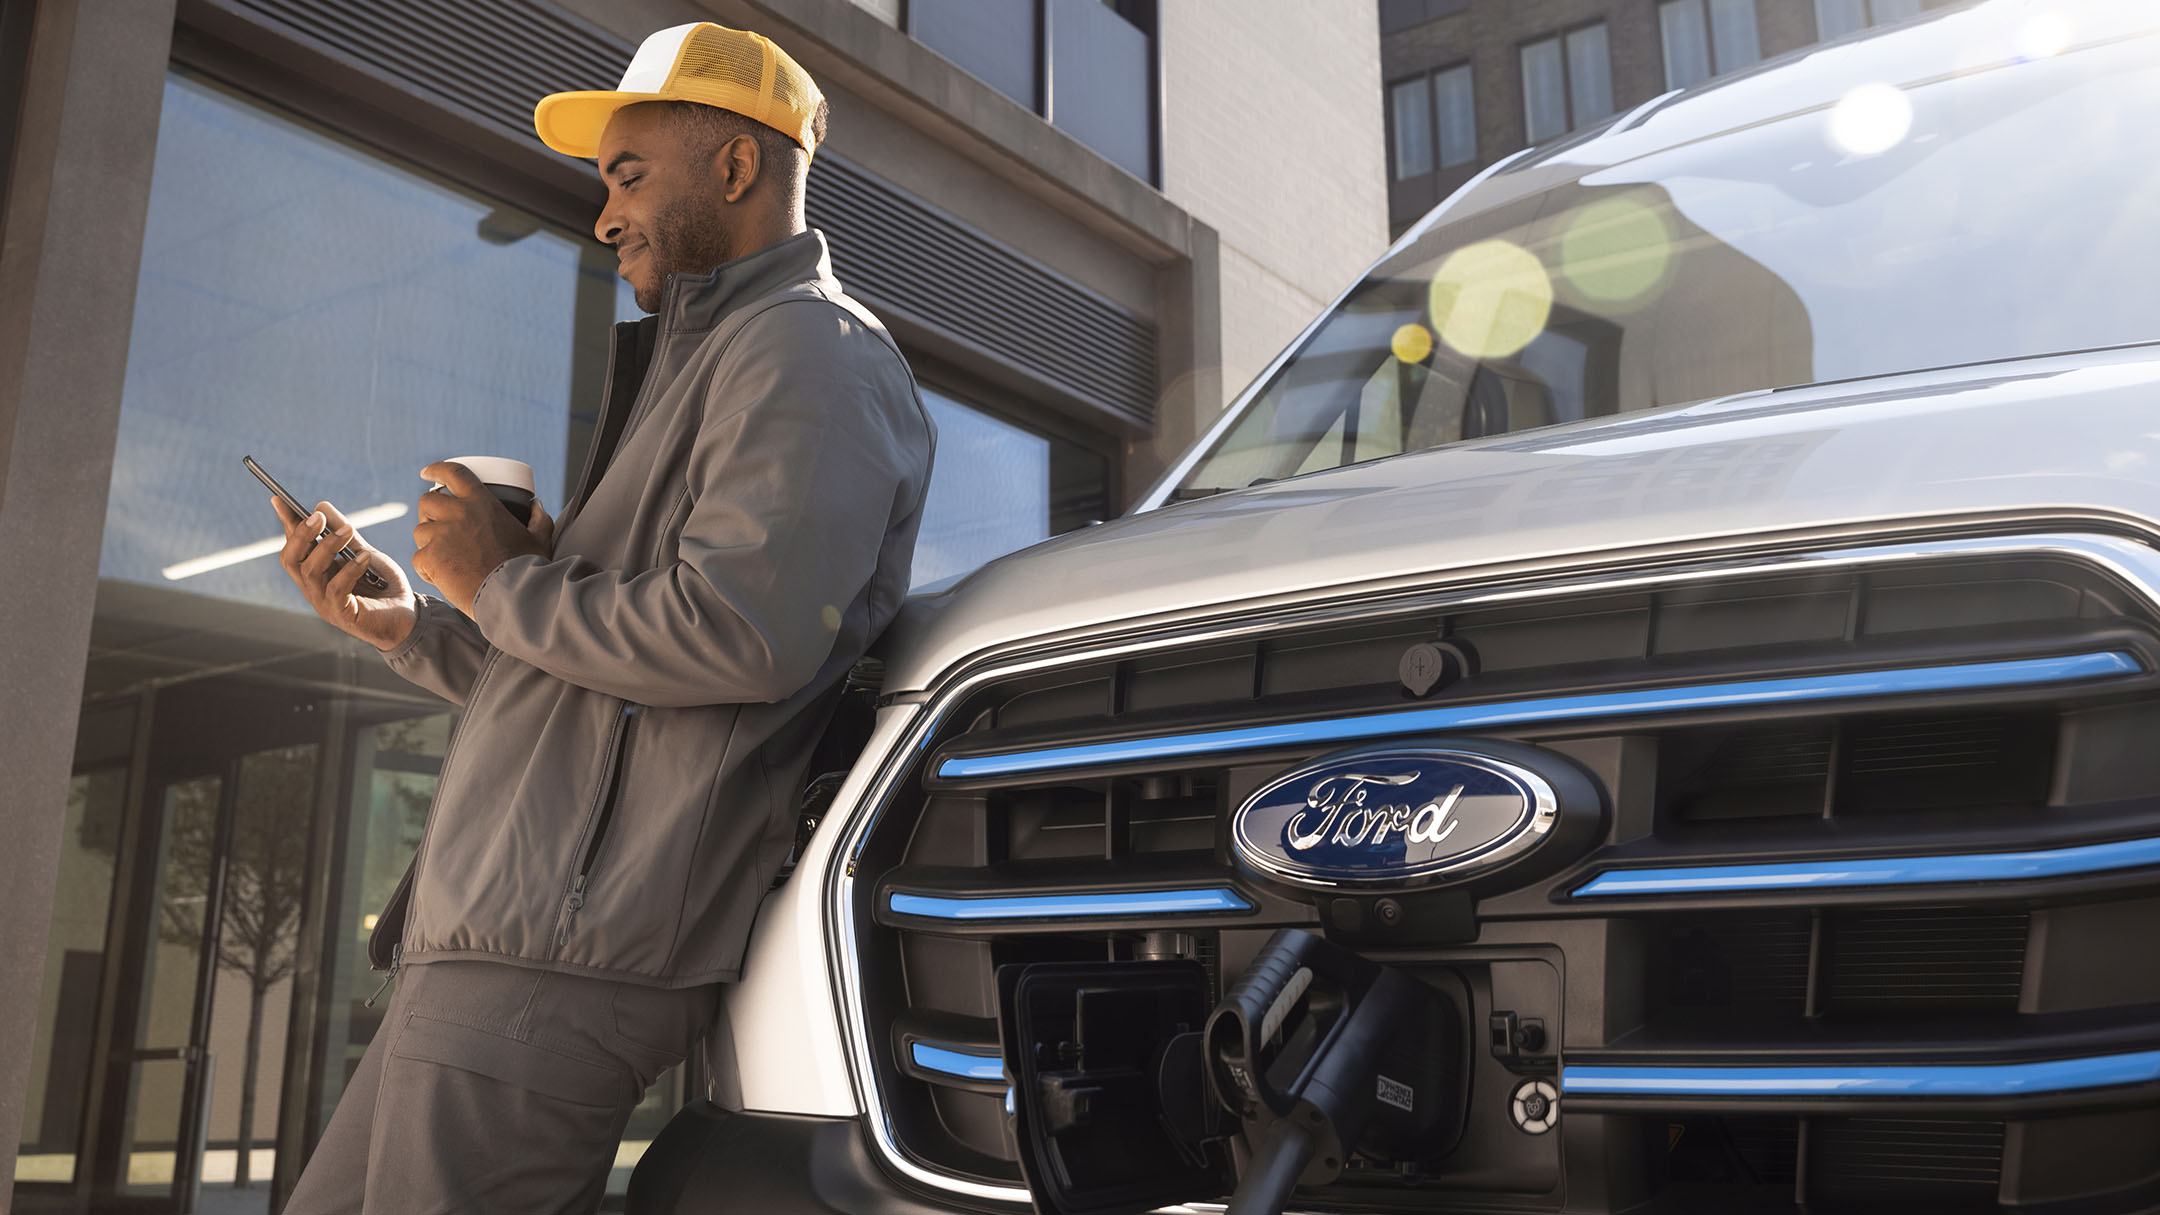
[1396, 816]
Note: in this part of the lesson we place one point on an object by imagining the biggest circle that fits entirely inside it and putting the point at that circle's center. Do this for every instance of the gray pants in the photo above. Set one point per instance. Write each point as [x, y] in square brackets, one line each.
[493, 1087]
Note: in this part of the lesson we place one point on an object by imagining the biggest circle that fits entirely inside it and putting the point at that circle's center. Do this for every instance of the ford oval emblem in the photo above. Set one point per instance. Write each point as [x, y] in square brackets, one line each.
[1395, 817]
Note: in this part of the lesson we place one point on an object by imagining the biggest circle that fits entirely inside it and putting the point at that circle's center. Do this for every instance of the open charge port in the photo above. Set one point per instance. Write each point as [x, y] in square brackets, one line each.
[1318, 1069]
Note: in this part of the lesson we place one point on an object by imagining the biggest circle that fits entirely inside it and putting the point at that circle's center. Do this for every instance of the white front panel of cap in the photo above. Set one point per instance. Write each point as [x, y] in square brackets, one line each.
[649, 68]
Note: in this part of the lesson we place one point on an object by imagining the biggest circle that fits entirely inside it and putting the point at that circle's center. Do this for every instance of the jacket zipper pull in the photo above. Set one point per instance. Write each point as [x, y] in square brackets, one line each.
[575, 901]
[397, 959]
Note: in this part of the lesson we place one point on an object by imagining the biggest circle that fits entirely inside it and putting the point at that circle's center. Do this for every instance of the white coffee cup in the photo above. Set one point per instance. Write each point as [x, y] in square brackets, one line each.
[511, 481]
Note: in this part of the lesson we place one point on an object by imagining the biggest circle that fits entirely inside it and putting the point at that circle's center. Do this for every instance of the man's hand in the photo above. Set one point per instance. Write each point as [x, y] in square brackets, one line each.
[332, 589]
[464, 533]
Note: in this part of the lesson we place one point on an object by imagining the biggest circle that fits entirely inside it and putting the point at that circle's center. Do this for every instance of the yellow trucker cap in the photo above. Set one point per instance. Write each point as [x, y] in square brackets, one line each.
[703, 62]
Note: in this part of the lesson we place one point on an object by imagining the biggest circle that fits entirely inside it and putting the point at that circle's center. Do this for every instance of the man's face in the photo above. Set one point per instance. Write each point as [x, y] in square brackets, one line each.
[664, 214]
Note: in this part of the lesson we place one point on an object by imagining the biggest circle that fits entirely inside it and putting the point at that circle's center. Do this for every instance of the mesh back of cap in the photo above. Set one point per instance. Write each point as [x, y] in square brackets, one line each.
[743, 72]
[709, 54]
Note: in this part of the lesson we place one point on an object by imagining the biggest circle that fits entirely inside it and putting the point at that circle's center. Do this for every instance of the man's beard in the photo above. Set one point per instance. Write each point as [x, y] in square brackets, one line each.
[683, 238]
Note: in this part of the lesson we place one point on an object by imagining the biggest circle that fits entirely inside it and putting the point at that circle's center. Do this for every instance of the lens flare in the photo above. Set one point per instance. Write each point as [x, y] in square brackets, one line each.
[2045, 35]
[1412, 343]
[1491, 299]
[1615, 250]
[1871, 119]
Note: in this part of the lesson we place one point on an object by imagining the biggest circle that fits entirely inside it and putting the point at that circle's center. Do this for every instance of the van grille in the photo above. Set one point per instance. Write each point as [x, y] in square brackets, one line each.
[1891, 978]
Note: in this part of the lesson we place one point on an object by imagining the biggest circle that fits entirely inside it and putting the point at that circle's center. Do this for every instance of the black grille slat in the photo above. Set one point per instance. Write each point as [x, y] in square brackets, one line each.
[1926, 956]
[1915, 1158]
[1758, 962]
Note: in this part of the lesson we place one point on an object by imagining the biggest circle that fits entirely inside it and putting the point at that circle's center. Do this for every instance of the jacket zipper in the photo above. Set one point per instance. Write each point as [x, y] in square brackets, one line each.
[397, 959]
[576, 898]
[427, 832]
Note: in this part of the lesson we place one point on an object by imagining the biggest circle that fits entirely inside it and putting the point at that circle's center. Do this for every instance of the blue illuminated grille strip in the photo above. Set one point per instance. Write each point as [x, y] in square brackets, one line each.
[1877, 871]
[957, 1063]
[1918, 1080]
[1904, 681]
[1069, 906]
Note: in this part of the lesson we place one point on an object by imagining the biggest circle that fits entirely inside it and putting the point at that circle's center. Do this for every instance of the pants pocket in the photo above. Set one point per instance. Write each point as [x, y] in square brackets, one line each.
[655, 1027]
[519, 1064]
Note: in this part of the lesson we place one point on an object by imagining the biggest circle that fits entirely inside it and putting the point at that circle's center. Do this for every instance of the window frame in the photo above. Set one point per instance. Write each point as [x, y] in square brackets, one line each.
[1868, 18]
[1708, 15]
[1394, 133]
[1558, 38]
[1436, 155]
[1441, 164]
[1145, 15]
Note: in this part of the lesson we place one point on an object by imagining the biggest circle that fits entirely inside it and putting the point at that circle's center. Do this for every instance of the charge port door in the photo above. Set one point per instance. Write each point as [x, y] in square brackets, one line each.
[1109, 1105]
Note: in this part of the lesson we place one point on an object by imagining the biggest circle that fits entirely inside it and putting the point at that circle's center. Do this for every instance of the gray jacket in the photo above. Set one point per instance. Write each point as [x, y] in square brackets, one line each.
[641, 705]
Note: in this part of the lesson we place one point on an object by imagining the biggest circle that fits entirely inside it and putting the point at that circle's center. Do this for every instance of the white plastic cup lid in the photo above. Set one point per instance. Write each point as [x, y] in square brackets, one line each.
[499, 470]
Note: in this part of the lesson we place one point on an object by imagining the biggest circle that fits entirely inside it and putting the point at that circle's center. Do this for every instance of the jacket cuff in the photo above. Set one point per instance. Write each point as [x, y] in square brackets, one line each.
[427, 620]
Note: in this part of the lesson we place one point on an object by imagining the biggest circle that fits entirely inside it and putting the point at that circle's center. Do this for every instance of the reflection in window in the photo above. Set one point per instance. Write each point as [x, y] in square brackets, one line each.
[1433, 121]
[1735, 264]
[1456, 107]
[1410, 104]
[991, 40]
[1567, 82]
[347, 325]
[1705, 38]
[1086, 65]
[1837, 18]
[996, 488]
[1589, 65]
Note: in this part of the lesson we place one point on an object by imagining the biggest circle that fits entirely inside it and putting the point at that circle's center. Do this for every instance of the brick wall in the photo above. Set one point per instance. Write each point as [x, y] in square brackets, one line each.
[1272, 137]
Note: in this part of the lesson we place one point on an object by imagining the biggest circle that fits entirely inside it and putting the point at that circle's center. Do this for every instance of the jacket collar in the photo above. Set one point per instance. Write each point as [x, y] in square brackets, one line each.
[697, 301]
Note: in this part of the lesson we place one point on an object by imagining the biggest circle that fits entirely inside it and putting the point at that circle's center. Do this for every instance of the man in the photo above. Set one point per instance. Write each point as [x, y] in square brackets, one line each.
[643, 679]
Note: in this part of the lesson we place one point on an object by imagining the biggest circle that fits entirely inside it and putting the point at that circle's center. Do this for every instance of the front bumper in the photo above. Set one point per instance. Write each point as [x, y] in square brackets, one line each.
[708, 1159]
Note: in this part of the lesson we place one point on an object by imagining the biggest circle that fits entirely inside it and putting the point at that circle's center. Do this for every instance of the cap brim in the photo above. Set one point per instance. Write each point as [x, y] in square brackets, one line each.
[572, 123]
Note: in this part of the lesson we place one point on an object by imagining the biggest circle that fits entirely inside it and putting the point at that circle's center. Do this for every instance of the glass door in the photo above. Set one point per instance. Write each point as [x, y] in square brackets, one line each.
[197, 1086]
[163, 1072]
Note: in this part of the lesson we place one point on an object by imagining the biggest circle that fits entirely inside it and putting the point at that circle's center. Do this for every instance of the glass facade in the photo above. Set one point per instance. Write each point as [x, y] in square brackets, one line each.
[249, 784]
[1086, 65]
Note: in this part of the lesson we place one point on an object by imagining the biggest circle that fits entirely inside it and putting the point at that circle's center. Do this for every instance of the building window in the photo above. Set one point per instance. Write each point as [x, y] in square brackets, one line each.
[1402, 14]
[1432, 122]
[1705, 38]
[1410, 105]
[1567, 81]
[1837, 18]
[998, 487]
[1089, 66]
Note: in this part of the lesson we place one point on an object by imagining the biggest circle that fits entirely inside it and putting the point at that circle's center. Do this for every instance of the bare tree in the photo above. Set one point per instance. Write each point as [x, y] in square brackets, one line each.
[265, 884]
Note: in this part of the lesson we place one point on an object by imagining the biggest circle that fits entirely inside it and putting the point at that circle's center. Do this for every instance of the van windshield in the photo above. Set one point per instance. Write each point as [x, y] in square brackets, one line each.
[2003, 213]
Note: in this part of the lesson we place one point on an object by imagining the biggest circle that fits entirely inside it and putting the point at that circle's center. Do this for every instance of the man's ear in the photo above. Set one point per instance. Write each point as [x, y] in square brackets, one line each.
[737, 164]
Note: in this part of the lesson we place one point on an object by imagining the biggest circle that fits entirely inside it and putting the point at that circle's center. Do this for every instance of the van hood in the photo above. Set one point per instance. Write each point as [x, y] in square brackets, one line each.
[2054, 437]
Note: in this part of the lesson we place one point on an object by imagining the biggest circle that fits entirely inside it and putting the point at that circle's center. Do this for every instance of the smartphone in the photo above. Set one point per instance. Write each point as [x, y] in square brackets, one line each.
[371, 580]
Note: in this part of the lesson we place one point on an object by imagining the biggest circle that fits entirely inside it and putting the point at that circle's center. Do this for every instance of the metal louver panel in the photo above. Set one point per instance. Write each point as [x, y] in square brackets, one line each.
[895, 251]
[493, 59]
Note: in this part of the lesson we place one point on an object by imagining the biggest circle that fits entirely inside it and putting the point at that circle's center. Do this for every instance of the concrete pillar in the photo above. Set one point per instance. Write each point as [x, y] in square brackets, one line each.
[71, 227]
